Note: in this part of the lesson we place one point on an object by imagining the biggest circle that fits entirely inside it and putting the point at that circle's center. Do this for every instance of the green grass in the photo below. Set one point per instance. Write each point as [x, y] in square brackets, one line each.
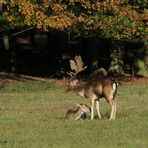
[32, 116]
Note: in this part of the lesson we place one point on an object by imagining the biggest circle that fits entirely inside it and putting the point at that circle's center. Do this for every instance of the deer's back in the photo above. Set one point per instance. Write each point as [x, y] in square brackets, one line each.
[99, 88]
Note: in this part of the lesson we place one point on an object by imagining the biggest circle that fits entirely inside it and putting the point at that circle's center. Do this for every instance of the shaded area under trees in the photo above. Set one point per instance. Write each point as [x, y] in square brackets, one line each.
[49, 54]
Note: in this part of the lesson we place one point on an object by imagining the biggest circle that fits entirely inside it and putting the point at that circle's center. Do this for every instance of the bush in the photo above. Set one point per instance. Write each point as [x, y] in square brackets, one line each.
[141, 68]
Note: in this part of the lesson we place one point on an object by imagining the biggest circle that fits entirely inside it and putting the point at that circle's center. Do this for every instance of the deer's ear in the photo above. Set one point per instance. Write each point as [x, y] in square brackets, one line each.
[78, 105]
[76, 81]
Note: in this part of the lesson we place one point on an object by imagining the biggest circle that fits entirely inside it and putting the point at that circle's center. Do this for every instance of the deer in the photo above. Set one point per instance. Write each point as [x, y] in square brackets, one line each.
[97, 86]
[78, 112]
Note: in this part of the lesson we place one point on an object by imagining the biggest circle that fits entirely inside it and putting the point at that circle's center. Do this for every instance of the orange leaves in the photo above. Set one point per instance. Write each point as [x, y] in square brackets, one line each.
[100, 25]
[57, 8]
[27, 9]
[85, 21]
[86, 4]
[81, 18]
[59, 22]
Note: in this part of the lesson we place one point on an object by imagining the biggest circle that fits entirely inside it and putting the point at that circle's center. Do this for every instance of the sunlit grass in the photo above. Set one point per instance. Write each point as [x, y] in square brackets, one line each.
[32, 115]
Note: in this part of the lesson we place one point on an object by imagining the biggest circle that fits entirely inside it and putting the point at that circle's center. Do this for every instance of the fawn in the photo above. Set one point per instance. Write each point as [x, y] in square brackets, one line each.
[78, 112]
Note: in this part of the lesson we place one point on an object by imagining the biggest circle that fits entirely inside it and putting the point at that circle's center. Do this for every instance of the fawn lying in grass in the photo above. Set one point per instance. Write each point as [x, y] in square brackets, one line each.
[78, 112]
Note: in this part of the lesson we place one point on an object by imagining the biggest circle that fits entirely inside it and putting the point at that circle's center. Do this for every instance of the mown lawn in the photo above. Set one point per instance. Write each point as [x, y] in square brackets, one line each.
[32, 115]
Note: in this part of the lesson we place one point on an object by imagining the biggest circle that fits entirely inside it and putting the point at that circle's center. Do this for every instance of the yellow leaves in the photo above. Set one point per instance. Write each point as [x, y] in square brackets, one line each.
[90, 22]
[114, 8]
[86, 5]
[27, 8]
[40, 19]
[58, 22]
[13, 2]
[71, 1]
[100, 25]
[128, 31]
[81, 18]
[40, 15]
[9, 18]
[2, 2]
[85, 21]
[57, 8]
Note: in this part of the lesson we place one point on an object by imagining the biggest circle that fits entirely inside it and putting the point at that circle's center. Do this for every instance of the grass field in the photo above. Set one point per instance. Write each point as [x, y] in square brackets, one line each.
[32, 116]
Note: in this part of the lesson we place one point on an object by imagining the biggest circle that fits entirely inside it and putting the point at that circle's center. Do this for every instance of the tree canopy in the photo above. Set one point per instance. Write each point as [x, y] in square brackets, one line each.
[117, 19]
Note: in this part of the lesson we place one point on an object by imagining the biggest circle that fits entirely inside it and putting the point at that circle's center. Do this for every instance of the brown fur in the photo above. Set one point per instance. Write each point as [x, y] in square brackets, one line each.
[78, 112]
[94, 89]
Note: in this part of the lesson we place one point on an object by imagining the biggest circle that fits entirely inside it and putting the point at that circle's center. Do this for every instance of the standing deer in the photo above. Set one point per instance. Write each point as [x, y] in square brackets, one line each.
[78, 112]
[96, 87]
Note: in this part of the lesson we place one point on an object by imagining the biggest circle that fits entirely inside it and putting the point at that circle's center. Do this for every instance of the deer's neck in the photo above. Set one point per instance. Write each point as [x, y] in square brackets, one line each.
[80, 89]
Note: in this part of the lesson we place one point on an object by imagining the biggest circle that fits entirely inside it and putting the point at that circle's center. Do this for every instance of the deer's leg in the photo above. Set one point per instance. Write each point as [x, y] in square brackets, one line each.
[92, 109]
[113, 109]
[98, 108]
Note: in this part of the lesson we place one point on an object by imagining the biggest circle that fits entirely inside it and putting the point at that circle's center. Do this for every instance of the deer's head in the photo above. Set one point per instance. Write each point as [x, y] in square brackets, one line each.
[85, 108]
[72, 84]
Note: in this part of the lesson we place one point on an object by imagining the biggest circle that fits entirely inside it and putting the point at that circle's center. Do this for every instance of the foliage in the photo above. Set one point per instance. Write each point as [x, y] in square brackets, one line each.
[111, 19]
[137, 3]
[43, 16]
[141, 68]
